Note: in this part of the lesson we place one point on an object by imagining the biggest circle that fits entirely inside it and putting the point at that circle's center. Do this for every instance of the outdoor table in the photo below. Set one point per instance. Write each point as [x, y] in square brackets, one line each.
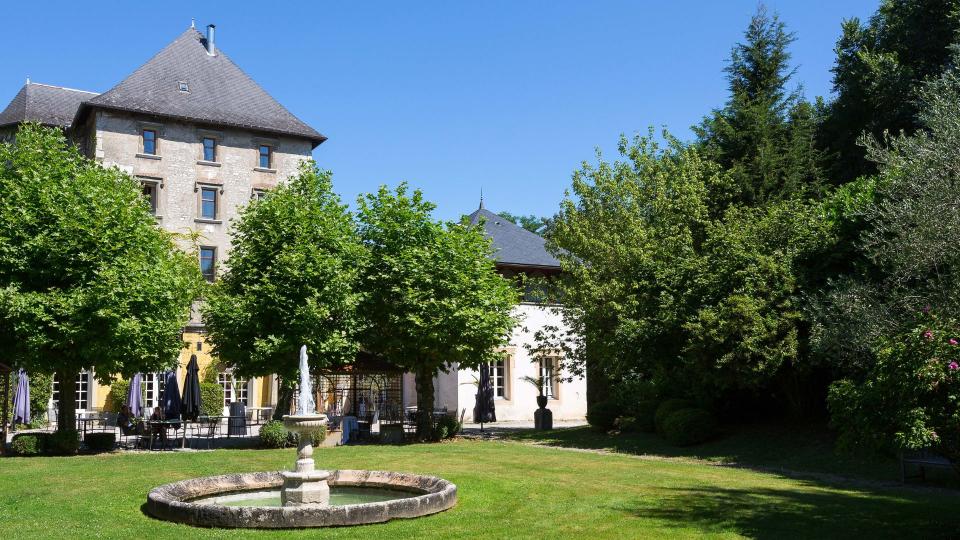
[84, 420]
[260, 413]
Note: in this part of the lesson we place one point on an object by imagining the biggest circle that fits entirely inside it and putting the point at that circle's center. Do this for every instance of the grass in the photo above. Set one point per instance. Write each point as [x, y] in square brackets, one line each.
[506, 490]
[803, 448]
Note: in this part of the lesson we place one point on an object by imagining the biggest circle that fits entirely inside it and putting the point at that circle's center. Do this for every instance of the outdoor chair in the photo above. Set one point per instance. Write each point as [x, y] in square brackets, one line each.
[207, 429]
[365, 427]
[108, 421]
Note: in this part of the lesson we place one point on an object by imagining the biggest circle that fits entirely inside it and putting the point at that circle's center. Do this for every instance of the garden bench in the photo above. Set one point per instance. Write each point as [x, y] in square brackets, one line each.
[923, 459]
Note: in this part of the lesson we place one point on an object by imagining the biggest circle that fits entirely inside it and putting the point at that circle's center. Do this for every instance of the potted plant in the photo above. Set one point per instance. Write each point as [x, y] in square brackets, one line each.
[542, 417]
[537, 382]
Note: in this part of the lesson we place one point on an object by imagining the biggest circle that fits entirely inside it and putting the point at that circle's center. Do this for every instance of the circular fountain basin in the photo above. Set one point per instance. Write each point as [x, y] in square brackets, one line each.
[251, 500]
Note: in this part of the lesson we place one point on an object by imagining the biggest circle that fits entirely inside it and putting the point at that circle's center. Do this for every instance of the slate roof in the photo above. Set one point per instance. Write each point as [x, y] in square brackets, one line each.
[49, 105]
[514, 245]
[220, 93]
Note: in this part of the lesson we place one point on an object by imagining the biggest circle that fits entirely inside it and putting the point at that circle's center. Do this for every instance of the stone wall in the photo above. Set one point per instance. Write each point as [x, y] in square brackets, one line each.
[179, 171]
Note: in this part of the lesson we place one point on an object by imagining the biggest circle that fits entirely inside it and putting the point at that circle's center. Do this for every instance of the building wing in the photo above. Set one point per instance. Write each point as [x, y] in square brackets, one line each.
[48, 105]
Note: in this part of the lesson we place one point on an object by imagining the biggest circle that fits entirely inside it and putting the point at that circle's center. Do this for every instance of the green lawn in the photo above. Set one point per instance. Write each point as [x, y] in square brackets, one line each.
[506, 490]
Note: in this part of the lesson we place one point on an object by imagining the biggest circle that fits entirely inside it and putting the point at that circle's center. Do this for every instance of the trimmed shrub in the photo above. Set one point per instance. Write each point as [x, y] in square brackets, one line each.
[211, 399]
[100, 442]
[626, 424]
[603, 415]
[26, 444]
[274, 435]
[451, 425]
[688, 426]
[644, 413]
[319, 435]
[668, 407]
[62, 443]
[117, 396]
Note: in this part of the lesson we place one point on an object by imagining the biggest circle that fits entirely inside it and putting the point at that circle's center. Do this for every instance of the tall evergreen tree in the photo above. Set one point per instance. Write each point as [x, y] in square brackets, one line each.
[764, 133]
[877, 76]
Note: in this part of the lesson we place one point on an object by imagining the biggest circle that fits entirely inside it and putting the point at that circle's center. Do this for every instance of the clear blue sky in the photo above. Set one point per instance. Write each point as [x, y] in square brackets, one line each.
[450, 96]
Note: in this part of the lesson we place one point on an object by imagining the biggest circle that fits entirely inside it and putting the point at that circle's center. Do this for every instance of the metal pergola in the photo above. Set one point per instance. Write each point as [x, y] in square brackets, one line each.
[369, 381]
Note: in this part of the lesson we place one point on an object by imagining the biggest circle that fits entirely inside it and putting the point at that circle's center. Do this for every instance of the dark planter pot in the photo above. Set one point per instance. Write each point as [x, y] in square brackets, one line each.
[542, 402]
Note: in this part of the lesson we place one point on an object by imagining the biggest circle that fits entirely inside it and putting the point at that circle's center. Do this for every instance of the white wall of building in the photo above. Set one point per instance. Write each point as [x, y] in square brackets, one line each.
[520, 400]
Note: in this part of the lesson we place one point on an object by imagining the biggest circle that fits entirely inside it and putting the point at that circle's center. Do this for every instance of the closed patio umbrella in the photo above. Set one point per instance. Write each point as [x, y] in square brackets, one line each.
[171, 396]
[135, 397]
[190, 407]
[484, 410]
[21, 399]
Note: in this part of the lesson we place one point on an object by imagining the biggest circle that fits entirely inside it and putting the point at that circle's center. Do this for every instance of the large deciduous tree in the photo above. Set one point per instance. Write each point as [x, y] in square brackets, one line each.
[433, 297]
[878, 71]
[909, 219]
[87, 279]
[661, 291]
[292, 280]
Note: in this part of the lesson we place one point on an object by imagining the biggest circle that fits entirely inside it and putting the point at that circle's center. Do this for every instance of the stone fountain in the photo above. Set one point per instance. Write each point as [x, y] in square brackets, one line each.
[304, 484]
[303, 497]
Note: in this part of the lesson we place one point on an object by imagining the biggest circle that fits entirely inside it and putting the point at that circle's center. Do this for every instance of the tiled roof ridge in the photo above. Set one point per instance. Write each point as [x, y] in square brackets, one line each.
[32, 83]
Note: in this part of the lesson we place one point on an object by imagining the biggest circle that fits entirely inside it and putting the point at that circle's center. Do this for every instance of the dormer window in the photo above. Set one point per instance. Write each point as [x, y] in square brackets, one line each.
[209, 149]
[266, 156]
[149, 141]
[183, 86]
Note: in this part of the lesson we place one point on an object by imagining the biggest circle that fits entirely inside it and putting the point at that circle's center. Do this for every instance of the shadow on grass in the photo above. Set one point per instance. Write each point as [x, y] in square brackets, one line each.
[805, 448]
[807, 513]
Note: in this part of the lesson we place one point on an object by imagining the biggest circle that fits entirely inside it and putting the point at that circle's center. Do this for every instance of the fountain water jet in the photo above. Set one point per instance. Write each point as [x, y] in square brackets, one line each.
[305, 485]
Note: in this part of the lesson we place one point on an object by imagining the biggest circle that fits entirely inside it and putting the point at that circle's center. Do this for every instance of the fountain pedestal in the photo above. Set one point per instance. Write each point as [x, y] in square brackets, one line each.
[305, 485]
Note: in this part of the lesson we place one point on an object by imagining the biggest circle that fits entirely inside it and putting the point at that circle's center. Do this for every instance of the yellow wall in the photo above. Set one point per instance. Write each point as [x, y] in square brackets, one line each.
[194, 343]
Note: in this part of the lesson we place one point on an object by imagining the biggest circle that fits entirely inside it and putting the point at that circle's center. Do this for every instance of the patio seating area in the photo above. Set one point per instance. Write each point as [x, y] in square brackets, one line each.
[206, 432]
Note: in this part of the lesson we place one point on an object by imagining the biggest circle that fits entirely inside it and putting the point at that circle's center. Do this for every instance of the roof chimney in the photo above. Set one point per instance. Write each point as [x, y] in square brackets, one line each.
[211, 47]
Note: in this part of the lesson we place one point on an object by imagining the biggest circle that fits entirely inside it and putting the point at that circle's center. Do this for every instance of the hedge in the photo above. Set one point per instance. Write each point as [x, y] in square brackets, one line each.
[100, 442]
[603, 414]
[211, 399]
[668, 407]
[688, 426]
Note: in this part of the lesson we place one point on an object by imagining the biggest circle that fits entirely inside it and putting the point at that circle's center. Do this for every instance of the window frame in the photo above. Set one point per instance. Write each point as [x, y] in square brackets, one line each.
[84, 393]
[547, 370]
[239, 393]
[214, 149]
[499, 379]
[216, 202]
[213, 262]
[269, 156]
[155, 140]
[156, 184]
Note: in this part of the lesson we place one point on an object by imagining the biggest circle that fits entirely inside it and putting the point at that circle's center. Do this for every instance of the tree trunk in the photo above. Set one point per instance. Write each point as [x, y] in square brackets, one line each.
[424, 380]
[284, 398]
[67, 405]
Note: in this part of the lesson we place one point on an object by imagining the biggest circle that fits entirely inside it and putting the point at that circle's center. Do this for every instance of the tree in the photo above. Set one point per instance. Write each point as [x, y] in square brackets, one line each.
[292, 280]
[628, 237]
[907, 221]
[433, 298]
[663, 292]
[879, 68]
[764, 135]
[532, 223]
[87, 279]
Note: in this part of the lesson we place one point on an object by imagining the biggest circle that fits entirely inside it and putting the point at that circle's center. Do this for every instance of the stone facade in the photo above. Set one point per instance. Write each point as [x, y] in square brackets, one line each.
[178, 170]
